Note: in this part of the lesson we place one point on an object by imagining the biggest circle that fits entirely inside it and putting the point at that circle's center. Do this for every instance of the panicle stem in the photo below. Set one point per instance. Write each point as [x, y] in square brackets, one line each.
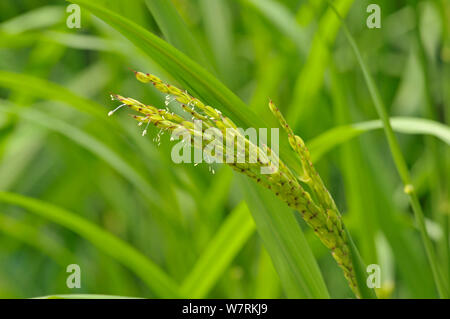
[315, 203]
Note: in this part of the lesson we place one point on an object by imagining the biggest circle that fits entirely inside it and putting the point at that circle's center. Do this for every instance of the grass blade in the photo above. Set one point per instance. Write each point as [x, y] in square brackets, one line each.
[191, 75]
[149, 272]
[311, 77]
[94, 146]
[188, 72]
[218, 27]
[29, 235]
[45, 89]
[41, 17]
[375, 212]
[175, 29]
[360, 271]
[286, 244]
[408, 125]
[284, 20]
[399, 160]
[228, 241]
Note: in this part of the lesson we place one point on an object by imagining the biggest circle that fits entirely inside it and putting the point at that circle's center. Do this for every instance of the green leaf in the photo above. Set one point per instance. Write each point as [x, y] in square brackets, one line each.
[409, 125]
[175, 29]
[184, 69]
[286, 244]
[48, 90]
[93, 145]
[398, 159]
[284, 20]
[224, 246]
[311, 77]
[217, 195]
[55, 92]
[191, 75]
[360, 271]
[336, 136]
[30, 235]
[267, 283]
[41, 17]
[299, 270]
[150, 273]
[218, 27]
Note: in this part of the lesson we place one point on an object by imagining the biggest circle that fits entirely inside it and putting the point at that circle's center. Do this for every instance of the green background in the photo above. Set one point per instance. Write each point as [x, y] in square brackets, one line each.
[78, 187]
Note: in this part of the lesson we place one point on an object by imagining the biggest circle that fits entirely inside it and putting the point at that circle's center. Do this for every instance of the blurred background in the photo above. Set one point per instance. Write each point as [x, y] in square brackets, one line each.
[93, 174]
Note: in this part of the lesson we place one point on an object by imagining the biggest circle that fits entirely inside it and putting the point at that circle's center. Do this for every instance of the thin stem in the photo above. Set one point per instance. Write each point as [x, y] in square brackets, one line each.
[399, 160]
[437, 176]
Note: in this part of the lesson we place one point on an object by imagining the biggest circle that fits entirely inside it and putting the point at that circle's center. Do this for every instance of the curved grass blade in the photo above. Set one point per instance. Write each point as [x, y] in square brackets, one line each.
[218, 27]
[311, 77]
[150, 273]
[323, 143]
[29, 235]
[175, 29]
[225, 245]
[48, 90]
[284, 20]
[93, 145]
[374, 210]
[191, 75]
[286, 244]
[205, 86]
[188, 72]
[398, 158]
[360, 271]
[42, 17]
[267, 283]
[55, 92]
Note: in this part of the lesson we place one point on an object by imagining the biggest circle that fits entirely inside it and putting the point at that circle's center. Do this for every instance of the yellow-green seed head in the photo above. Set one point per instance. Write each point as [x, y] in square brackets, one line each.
[142, 77]
[314, 202]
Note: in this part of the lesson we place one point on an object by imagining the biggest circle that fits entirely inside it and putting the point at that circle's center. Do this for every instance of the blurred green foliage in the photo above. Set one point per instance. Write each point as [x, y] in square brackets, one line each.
[95, 193]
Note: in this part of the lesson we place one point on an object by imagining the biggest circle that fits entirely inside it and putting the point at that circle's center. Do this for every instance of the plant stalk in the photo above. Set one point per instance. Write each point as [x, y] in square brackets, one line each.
[399, 161]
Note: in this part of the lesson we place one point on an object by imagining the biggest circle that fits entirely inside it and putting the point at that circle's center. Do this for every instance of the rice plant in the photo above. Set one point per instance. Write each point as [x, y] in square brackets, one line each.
[351, 203]
[321, 215]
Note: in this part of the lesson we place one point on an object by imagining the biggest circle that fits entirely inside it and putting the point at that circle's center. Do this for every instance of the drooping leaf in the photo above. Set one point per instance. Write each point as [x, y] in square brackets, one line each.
[408, 125]
[190, 74]
[175, 29]
[284, 240]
